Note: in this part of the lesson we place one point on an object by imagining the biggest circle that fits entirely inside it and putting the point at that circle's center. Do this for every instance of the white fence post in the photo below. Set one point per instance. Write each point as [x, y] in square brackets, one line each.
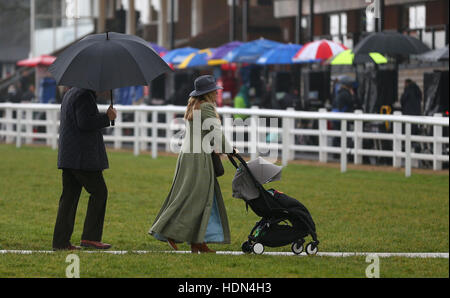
[291, 125]
[323, 155]
[117, 131]
[437, 146]
[408, 149]
[154, 134]
[228, 128]
[136, 145]
[143, 131]
[343, 146]
[169, 131]
[19, 128]
[358, 139]
[286, 142]
[253, 135]
[54, 131]
[28, 126]
[9, 125]
[48, 127]
[397, 142]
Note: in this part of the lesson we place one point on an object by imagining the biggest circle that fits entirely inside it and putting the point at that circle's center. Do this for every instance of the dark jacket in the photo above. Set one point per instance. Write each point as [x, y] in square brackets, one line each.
[344, 101]
[411, 100]
[81, 145]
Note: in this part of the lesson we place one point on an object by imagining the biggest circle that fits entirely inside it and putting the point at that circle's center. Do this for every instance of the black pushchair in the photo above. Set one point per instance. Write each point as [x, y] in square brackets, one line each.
[284, 220]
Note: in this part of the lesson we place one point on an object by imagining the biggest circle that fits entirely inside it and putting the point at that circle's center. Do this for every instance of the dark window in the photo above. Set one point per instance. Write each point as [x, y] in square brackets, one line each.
[265, 2]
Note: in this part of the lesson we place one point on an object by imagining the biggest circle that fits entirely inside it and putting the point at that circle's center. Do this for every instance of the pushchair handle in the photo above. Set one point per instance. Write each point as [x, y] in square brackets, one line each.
[235, 154]
[243, 162]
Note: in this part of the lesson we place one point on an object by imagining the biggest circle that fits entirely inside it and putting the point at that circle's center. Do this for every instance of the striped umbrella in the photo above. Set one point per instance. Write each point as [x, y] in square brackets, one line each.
[43, 60]
[318, 50]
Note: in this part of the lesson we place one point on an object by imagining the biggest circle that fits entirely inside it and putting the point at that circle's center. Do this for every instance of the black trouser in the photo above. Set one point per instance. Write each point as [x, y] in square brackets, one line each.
[73, 181]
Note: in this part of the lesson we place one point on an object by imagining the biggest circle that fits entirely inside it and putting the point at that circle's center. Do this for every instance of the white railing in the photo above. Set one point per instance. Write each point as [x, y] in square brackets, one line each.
[139, 127]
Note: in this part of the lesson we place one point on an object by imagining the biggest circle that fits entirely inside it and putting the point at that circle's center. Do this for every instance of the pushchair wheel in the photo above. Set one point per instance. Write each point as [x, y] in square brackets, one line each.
[297, 248]
[258, 248]
[246, 247]
[312, 248]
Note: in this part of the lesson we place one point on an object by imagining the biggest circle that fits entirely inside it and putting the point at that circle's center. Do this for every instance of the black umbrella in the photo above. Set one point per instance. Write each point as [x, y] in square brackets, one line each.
[390, 43]
[107, 61]
[435, 55]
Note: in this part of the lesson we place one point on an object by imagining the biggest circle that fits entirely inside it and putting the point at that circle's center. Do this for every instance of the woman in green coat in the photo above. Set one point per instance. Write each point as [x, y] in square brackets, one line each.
[194, 210]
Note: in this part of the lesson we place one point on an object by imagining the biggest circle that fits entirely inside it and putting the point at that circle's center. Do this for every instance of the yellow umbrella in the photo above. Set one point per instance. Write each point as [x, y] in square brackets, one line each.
[347, 58]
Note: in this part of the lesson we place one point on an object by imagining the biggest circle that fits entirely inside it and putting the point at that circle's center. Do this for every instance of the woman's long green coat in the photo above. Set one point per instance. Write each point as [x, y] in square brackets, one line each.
[186, 211]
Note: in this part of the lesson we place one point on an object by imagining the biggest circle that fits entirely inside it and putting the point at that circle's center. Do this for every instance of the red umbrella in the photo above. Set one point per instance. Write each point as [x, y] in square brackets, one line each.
[43, 60]
[318, 50]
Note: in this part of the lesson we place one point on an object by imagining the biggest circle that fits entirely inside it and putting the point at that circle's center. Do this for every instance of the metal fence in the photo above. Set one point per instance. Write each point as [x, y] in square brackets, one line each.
[292, 135]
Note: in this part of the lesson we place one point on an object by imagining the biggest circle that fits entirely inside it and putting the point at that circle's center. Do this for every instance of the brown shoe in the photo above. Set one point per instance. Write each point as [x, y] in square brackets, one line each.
[172, 244]
[204, 248]
[70, 247]
[95, 244]
[195, 248]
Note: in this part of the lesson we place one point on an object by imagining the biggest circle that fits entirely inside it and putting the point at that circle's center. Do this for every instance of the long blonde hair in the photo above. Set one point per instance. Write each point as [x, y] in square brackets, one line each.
[195, 102]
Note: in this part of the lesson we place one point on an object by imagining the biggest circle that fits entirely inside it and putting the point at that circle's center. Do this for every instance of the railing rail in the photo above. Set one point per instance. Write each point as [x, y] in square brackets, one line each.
[153, 127]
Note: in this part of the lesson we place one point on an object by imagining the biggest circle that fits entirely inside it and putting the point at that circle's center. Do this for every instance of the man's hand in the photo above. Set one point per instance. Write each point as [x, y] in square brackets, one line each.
[112, 113]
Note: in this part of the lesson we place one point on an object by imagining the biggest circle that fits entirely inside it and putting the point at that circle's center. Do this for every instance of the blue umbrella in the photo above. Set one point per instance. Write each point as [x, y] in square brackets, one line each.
[250, 52]
[199, 58]
[177, 56]
[282, 54]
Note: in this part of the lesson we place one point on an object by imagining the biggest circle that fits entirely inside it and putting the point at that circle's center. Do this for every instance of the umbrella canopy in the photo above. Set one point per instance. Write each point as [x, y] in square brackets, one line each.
[348, 58]
[199, 58]
[177, 56]
[159, 49]
[108, 61]
[390, 43]
[43, 60]
[264, 171]
[250, 52]
[220, 52]
[435, 55]
[318, 50]
[282, 54]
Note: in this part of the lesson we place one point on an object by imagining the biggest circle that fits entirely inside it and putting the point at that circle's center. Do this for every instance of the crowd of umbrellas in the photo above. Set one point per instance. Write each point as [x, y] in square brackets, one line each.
[113, 60]
[376, 48]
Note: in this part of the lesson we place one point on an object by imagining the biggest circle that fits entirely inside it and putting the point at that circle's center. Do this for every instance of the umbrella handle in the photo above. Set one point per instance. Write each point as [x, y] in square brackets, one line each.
[113, 122]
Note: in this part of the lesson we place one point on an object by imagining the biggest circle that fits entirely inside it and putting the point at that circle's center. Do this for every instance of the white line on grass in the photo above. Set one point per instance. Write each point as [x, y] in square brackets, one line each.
[425, 255]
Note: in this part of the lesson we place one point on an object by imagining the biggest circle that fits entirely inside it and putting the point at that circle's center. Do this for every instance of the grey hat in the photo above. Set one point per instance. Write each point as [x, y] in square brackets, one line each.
[204, 84]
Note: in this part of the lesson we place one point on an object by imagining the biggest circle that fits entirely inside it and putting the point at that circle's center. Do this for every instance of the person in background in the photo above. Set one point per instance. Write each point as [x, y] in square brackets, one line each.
[411, 102]
[241, 101]
[344, 100]
[343, 103]
[29, 95]
[411, 99]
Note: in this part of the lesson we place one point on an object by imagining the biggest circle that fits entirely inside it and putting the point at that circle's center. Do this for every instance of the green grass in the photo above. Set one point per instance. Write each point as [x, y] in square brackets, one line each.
[359, 211]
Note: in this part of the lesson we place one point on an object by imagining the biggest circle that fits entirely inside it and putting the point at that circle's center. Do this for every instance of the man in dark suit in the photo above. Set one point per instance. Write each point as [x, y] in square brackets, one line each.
[82, 158]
